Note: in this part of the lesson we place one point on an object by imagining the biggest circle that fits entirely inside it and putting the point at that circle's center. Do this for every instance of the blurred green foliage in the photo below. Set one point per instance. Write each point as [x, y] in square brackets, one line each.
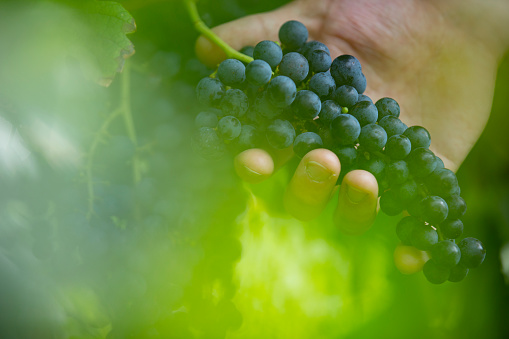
[139, 238]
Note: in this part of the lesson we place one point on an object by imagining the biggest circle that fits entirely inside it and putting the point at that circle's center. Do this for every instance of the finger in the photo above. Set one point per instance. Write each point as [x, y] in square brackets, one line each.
[247, 31]
[357, 205]
[254, 165]
[312, 184]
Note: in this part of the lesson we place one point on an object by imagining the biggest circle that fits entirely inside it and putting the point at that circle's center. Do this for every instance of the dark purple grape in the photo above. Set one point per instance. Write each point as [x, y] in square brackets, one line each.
[347, 155]
[295, 66]
[435, 273]
[235, 102]
[345, 129]
[421, 162]
[293, 35]
[330, 110]
[392, 125]
[210, 91]
[451, 228]
[258, 73]
[365, 112]
[389, 203]
[398, 147]
[457, 206]
[419, 136]
[472, 252]
[322, 84]
[280, 134]
[306, 105]
[306, 142]
[373, 137]
[229, 127]
[268, 51]
[434, 209]
[231, 72]
[396, 172]
[281, 91]
[387, 107]
[345, 96]
[405, 228]
[319, 61]
[423, 237]
[446, 253]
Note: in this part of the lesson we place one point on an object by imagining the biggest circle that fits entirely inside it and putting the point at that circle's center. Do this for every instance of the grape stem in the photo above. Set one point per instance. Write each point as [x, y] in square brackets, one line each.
[207, 32]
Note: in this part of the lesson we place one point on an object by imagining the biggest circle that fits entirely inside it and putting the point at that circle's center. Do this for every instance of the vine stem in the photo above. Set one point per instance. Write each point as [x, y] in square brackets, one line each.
[207, 32]
[128, 117]
[97, 139]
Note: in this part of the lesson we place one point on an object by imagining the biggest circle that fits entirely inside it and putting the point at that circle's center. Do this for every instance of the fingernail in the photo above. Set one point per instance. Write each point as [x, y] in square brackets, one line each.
[355, 195]
[317, 172]
[249, 170]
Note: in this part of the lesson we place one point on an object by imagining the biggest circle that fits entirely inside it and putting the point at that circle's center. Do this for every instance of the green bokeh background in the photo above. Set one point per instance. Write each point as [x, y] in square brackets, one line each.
[186, 250]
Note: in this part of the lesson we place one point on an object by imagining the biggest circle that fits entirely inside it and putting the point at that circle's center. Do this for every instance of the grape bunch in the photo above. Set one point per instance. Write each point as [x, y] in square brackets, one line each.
[294, 94]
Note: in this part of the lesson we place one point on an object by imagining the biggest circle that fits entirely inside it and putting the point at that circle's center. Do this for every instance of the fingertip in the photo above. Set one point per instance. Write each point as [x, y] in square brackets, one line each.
[208, 52]
[357, 204]
[312, 183]
[254, 165]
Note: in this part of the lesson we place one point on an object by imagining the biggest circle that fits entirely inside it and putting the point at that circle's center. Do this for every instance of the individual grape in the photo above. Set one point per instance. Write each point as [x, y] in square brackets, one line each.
[210, 91]
[405, 227]
[392, 125]
[281, 91]
[407, 191]
[306, 142]
[421, 162]
[235, 102]
[306, 105]
[258, 73]
[345, 96]
[423, 237]
[268, 51]
[472, 252]
[322, 84]
[387, 107]
[207, 143]
[248, 137]
[347, 155]
[359, 82]
[293, 35]
[397, 172]
[419, 136]
[326, 135]
[346, 70]
[247, 50]
[345, 129]
[458, 273]
[319, 61]
[398, 147]
[457, 206]
[446, 253]
[389, 203]
[231, 72]
[440, 163]
[263, 107]
[373, 137]
[442, 182]
[229, 127]
[434, 209]
[451, 228]
[329, 111]
[295, 66]
[280, 134]
[435, 273]
[365, 112]
[364, 97]
[206, 119]
[373, 165]
[311, 46]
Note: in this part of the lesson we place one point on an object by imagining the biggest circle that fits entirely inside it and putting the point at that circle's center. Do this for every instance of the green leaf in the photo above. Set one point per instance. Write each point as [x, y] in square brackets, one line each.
[106, 40]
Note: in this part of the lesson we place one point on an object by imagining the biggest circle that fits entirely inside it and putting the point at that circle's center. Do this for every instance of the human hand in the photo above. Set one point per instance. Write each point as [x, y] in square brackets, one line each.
[414, 52]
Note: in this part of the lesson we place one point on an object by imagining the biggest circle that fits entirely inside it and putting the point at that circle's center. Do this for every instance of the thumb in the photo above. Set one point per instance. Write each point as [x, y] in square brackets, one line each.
[246, 31]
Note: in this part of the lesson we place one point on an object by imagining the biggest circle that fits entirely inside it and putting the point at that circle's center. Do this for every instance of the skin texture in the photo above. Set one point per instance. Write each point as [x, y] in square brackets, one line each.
[434, 58]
